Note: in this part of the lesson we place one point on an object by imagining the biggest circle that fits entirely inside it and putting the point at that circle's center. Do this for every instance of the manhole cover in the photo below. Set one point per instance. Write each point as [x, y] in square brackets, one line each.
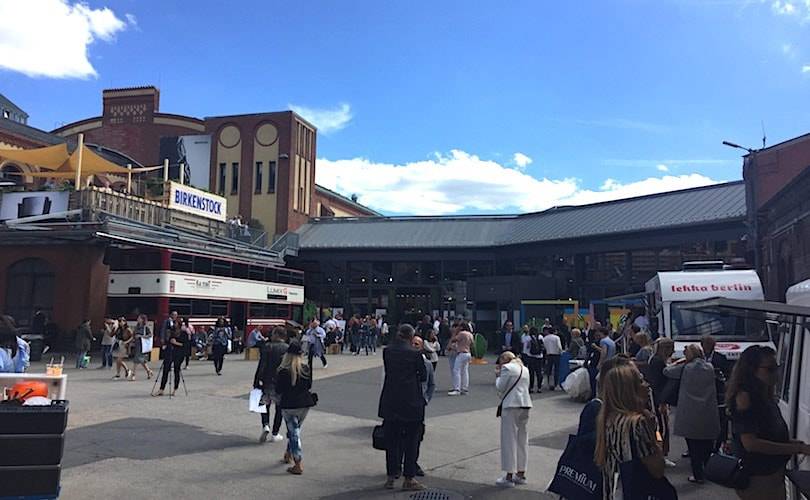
[432, 494]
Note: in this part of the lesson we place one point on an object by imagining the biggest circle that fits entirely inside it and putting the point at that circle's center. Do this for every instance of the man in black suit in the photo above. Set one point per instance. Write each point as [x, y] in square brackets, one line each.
[402, 407]
[510, 341]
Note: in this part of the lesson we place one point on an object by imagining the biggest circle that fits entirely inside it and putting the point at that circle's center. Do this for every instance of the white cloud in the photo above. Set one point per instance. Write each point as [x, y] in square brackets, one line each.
[326, 120]
[806, 68]
[789, 50]
[783, 8]
[461, 182]
[662, 168]
[521, 160]
[51, 38]
[132, 20]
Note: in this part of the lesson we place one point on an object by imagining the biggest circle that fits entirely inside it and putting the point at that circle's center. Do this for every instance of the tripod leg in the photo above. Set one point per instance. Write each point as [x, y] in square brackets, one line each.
[156, 378]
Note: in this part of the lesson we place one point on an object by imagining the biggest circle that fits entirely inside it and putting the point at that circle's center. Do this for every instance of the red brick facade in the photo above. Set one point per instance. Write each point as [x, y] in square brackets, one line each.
[80, 279]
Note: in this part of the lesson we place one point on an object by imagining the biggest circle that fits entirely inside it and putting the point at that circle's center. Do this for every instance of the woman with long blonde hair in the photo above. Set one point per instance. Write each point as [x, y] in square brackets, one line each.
[625, 428]
[293, 384]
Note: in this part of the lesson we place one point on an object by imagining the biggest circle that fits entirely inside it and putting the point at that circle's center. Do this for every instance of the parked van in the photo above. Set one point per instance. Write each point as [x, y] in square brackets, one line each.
[670, 293]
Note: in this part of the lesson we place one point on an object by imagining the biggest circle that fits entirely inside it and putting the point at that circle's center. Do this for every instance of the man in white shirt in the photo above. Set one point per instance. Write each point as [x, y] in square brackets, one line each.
[553, 346]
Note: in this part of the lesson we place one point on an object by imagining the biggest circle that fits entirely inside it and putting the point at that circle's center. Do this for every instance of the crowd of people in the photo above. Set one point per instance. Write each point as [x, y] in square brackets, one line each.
[644, 396]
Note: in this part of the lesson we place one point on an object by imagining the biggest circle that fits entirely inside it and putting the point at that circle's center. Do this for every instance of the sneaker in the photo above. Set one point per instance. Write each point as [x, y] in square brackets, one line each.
[326, 366]
[464, 393]
[506, 483]
[276, 438]
[669, 463]
[265, 433]
[519, 479]
[454, 393]
[412, 485]
[389, 483]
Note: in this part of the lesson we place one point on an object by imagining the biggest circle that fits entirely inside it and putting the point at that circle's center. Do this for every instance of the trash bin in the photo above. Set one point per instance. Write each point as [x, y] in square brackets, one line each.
[32, 440]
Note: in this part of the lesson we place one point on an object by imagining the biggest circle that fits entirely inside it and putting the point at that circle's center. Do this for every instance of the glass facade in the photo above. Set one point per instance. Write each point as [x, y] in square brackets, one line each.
[406, 289]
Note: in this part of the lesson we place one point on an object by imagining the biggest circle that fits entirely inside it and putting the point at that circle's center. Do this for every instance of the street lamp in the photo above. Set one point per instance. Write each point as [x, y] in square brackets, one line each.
[750, 197]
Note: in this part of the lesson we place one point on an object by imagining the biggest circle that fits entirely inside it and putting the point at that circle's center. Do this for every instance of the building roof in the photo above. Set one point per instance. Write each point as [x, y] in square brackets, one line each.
[6, 103]
[704, 205]
[30, 133]
[346, 200]
[122, 231]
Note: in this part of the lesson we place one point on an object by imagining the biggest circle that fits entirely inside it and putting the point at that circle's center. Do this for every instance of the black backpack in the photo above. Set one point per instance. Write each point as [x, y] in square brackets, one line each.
[535, 347]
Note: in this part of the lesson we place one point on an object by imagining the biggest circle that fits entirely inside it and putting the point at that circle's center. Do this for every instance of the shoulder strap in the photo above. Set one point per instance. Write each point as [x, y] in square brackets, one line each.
[513, 385]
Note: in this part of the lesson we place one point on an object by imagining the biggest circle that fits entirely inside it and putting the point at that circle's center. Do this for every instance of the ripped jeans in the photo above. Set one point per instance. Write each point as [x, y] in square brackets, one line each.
[294, 418]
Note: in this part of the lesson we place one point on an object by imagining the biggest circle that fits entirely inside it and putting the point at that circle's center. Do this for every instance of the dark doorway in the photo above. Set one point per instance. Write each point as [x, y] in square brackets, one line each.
[238, 317]
[30, 284]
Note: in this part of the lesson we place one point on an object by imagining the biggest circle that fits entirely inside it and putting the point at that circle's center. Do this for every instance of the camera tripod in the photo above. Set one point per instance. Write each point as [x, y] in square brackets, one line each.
[171, 379]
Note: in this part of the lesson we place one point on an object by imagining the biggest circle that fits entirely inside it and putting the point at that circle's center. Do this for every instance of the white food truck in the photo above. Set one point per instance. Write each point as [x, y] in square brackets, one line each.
[669, 293]
[792, 334]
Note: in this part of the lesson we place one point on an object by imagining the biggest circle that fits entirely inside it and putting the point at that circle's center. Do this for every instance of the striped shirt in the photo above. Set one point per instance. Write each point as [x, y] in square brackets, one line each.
[628, 437]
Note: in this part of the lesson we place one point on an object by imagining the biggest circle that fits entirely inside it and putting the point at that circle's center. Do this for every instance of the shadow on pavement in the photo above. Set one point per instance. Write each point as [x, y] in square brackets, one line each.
[438, 489]
[142, 439]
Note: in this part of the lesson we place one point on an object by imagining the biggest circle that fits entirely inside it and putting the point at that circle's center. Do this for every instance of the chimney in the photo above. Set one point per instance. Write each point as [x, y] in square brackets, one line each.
[133, 105]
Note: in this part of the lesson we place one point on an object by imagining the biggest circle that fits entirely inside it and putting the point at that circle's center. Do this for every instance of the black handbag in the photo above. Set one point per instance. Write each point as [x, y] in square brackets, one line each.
[669, 394]
[727, 470]
[378, 438]
[638, 483]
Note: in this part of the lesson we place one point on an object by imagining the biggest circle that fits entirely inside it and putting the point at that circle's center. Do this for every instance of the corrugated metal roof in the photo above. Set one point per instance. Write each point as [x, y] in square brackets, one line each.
[711, 204]
[29, 132]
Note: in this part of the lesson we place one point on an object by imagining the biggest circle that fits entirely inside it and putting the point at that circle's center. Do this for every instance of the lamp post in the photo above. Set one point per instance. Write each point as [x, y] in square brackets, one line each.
[750, 176]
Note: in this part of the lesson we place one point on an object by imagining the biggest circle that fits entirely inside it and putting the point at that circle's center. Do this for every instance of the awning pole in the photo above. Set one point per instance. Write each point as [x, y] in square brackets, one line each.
[182, 174]
[166, 170]
[79, 166]
[129, 178]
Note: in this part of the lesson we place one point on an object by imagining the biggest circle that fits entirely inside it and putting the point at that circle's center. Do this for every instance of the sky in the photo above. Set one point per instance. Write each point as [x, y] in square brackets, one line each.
[451, 107]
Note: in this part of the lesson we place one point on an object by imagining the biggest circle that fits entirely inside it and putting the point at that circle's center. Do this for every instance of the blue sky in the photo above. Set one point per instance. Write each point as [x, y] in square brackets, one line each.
[422, 106]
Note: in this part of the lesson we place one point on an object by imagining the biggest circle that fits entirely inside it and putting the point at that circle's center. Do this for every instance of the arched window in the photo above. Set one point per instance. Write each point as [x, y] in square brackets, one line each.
[29, 284]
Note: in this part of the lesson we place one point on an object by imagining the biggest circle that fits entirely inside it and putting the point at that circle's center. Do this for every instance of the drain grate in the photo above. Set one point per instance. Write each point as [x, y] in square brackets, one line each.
[432, 494]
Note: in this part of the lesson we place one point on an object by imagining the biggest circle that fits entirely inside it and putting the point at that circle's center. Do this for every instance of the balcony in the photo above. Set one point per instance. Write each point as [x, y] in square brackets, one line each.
[96, 204]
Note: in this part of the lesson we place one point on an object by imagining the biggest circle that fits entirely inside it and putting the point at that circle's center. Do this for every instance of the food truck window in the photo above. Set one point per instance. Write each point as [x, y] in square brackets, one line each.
[693, 324]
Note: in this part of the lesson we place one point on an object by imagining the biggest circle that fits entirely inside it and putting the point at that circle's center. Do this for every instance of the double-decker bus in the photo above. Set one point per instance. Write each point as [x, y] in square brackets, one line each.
[157, 281]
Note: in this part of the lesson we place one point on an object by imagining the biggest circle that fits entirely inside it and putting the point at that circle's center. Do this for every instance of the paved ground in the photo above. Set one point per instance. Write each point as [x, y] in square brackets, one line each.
[121, 441]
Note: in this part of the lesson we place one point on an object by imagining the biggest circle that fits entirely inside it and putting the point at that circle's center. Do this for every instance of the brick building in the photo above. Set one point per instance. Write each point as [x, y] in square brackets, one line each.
[263, 163]
[777, 183]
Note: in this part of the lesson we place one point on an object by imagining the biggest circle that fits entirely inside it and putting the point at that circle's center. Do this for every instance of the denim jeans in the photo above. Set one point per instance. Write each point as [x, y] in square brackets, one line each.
[80, 357]
[106, 356]
[294, 418]
[461, 372]
[451, 360]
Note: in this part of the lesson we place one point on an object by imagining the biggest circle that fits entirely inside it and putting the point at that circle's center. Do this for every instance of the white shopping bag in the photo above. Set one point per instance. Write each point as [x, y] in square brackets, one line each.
[255, 400]
[578, 385]
[230, 346]
[146, 345]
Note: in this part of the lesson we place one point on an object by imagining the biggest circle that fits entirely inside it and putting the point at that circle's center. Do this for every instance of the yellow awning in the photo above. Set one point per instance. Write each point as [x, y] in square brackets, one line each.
[93, 163]
[50, 157]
